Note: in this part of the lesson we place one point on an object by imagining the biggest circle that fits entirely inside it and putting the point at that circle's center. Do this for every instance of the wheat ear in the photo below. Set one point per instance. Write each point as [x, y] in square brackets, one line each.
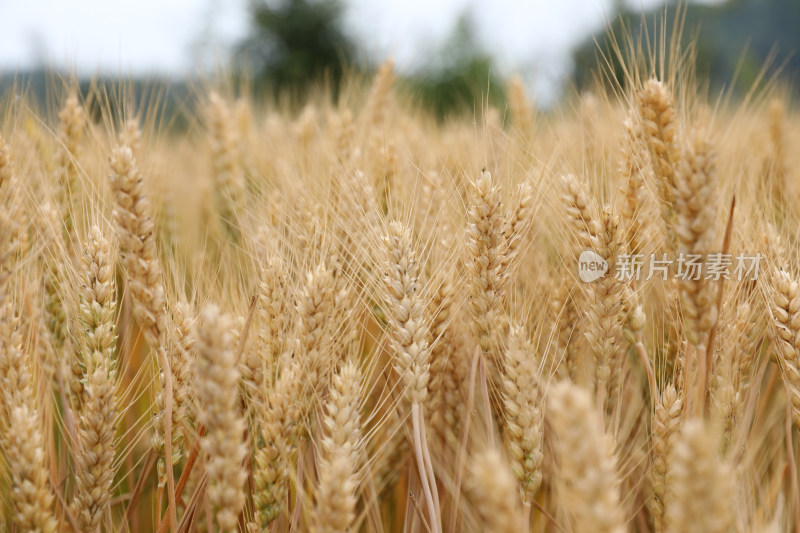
[522, 112]
[523, 400]
[314, 311]
[659, 128]
[448, 365]
[696, 211]
[139, 256]
[270, 324]
[565, 317]
[72, 121]
[182, 350]
[378, 100]
[494, 493]
[587, 480]
[216, 389]
[97, 421]
[605, 311]
[12, 218]
[632, 170]
[405, 312]
[409, 334]
[580, 211]
[340, 451]
[277, 417]
[777, 170]
[20, 434]
[229, 181]
[518, 222]
[665, 428]
[6, 168]
[785, 300]
[702, 485]
[485, 248]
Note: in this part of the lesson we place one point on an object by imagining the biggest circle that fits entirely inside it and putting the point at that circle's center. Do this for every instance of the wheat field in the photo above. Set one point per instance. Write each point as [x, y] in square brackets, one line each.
[352, 317]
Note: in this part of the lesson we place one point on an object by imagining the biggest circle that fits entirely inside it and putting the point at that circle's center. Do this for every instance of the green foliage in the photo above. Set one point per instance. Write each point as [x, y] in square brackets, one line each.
[295, 44]
[462, 78]
[738, 34]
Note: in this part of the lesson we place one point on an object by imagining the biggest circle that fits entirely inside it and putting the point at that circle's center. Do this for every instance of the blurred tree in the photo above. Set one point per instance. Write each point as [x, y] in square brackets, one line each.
[731, 38]
[460, 77]
[295, 43]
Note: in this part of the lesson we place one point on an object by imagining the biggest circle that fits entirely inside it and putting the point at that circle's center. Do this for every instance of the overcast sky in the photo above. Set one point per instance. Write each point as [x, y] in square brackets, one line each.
[168, 36]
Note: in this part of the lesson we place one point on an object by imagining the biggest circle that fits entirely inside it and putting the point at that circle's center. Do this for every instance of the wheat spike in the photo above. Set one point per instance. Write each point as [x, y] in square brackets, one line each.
[339, 454]
[20, 434]
[494, 492]
[277, 418]
[588, 484]
[665, 429]
[72, 121]
[485, 248]
[229, 180]
[659, 126]
[702, 485]
[96, 424]
[523, 400]
[405, 312]
[785, 300]
[216, 389]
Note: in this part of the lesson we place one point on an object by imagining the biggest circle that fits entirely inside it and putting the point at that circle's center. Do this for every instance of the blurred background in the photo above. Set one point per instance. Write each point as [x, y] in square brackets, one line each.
[449, 53]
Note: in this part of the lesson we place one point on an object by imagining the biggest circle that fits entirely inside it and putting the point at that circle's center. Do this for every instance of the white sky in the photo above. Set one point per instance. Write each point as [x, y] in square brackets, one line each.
[167, 35]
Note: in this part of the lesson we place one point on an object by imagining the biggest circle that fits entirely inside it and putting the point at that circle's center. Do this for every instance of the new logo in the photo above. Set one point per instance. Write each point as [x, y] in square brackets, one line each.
[591, 266]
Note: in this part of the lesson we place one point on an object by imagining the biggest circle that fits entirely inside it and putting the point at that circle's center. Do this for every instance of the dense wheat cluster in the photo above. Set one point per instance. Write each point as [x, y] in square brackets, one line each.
[351, 317]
